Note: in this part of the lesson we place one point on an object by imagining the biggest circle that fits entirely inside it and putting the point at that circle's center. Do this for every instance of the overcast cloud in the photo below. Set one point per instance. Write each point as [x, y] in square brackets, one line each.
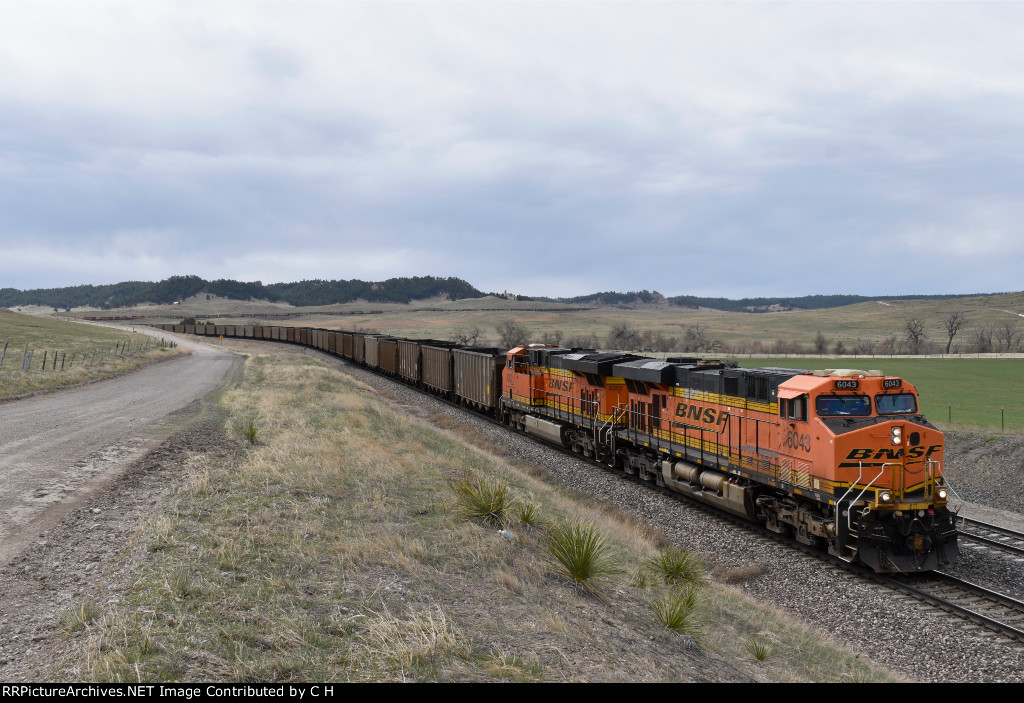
[731, 149]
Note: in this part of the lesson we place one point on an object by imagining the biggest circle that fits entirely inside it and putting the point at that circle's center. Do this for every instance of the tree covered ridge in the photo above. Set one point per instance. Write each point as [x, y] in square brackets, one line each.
[394, 290]
[302, 293]
[806, 302]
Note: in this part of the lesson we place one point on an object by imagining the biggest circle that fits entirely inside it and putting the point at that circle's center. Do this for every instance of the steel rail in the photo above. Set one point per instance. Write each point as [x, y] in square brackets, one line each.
[989, 540]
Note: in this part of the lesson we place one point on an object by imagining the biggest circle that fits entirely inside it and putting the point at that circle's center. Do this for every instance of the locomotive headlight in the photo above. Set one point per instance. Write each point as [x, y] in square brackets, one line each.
[885, 497]
[942, 494]
[897, 436]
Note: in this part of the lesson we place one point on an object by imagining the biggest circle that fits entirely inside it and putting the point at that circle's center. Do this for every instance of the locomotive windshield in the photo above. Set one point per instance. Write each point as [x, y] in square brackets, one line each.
[826, 405]
[896, 404]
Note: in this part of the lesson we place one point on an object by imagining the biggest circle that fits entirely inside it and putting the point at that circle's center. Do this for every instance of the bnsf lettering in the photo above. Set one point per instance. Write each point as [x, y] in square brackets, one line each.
[707, 416]
[560, 384]
[892, 454]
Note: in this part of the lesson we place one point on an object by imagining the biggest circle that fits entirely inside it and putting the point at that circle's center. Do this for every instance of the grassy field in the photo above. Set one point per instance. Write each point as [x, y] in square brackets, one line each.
[88, 352]
[342, 547]
[969, 394]
[865, 323]
[956, 394]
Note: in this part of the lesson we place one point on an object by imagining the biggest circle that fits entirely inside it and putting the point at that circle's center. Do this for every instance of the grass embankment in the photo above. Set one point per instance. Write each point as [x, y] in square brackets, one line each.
[338, 550]
[956, 394]
[83, 353]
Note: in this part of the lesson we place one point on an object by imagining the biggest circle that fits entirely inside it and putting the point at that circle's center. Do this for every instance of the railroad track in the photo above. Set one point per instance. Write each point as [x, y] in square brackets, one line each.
[990, 609]
[1001, 538]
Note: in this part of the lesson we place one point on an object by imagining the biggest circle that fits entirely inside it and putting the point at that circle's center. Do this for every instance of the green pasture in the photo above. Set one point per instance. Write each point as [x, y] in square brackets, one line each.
[87, 352]
[49, 333]
[962, 394]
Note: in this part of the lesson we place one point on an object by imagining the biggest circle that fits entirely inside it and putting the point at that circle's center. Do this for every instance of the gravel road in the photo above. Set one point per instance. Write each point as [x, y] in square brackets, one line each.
[58, 449]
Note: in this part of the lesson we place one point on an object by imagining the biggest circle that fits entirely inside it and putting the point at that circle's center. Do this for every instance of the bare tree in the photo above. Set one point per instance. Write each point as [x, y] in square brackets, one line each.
[983, 341]
[623, 336]
[468, 338]
[512, 334]
[954, 321]
[887, 346]
[915, 335]
[863, 347]
[695, 338]
[581, 341]
[553, 337]
[820, 343]
[1009, 336]
[839, 348]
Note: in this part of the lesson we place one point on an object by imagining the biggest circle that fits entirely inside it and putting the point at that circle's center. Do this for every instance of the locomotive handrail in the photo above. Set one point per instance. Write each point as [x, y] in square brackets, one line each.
[860, 474]
[947, 484]
[609, 422]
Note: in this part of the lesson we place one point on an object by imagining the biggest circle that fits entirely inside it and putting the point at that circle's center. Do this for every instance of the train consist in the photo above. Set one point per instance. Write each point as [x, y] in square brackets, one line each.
[838, 458]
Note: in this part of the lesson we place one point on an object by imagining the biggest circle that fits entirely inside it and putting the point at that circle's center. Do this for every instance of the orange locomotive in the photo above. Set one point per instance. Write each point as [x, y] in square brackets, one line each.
[841, 458]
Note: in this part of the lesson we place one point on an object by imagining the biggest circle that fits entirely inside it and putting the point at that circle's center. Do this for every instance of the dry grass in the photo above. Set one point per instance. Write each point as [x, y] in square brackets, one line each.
[333, 550]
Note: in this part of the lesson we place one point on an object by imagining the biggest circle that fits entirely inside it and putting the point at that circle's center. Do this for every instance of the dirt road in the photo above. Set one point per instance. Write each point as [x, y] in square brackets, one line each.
[57, 450]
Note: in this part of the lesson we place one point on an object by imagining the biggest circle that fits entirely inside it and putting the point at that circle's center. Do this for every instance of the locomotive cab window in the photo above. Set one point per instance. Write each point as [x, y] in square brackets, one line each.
[793, 408]
[896, 404]
[832, 405]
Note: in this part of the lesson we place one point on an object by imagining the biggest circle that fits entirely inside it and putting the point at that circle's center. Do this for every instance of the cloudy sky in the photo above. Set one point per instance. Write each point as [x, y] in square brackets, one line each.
[548, 148]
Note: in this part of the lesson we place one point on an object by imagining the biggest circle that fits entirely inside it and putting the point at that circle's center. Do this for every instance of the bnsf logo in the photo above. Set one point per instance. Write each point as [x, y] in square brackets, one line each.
[560, 384]
[914, 453]
[709, 416]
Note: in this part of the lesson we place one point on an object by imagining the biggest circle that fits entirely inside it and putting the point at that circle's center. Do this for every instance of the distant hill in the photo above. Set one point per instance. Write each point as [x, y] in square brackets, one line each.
[303, 293]
[807, 302]
[394, 290]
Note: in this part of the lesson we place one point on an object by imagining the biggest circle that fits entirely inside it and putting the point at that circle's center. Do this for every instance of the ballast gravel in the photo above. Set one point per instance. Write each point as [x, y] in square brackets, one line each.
[895, 631]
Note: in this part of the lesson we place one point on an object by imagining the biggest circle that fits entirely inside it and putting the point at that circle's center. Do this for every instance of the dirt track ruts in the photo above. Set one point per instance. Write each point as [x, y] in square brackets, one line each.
[56, 449]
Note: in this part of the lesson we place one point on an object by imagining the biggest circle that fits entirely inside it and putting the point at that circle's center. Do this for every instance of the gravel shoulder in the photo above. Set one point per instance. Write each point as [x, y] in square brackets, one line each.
[79, 471]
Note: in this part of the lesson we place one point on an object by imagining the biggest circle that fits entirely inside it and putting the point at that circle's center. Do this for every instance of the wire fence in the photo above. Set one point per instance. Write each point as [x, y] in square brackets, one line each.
[52, 360]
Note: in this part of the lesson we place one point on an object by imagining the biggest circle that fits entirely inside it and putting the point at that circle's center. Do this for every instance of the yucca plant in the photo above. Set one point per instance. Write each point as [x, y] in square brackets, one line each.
[677, 566]
[761, 650]
[529, 514]
[583, 555]
[482, 498]
[678, 610]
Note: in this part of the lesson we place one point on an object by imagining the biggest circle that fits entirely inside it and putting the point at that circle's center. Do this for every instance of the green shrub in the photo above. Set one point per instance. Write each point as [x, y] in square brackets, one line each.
[678, 566]
[76, 617]
[760, 649]
[482, 498]
[529, 514]
[678, 610]
[583, 555]
[250, 430]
